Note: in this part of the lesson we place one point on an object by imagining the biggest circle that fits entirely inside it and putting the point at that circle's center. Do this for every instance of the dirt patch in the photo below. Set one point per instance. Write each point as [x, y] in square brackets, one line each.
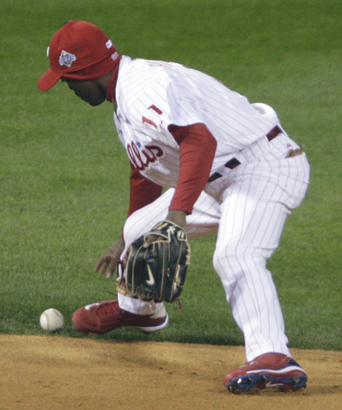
[52, 372]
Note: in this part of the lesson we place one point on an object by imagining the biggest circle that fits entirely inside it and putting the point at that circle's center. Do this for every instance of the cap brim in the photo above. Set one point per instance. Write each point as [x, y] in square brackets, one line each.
[48, 80]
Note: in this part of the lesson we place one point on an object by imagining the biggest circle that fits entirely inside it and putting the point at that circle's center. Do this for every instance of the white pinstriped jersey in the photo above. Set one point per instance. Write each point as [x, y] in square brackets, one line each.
[247, 206]
[151, 95]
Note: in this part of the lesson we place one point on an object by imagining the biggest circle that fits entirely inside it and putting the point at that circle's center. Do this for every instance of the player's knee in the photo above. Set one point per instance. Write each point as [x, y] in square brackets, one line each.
[234, 260]
[222, 260]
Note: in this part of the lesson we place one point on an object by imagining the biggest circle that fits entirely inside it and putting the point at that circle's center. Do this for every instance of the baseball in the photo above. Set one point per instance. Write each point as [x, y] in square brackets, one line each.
[51, 320]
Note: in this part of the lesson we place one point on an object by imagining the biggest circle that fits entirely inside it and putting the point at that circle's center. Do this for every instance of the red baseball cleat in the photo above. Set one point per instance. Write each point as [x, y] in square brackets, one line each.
[268, 370]
[105, 316]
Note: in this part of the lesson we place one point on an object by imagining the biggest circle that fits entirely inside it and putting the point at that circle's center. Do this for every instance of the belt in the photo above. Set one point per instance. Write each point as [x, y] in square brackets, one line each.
[233, 163]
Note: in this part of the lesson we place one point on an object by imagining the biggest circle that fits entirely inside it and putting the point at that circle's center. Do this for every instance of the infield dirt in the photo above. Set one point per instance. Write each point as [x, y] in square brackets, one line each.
[53, 372]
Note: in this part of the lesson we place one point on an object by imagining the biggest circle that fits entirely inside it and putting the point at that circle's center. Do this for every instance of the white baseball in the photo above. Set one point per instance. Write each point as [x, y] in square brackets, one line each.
[51, 320]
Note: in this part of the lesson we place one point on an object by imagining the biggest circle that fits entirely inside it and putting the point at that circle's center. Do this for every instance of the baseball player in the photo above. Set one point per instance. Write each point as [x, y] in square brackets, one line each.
[231, 170]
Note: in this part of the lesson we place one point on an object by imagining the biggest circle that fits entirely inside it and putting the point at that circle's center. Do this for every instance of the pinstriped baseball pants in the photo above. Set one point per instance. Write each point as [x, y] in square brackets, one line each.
[247, 208]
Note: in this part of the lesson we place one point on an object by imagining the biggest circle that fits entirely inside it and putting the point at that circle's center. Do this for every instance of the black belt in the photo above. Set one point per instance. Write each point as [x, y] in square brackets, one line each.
[233, 163]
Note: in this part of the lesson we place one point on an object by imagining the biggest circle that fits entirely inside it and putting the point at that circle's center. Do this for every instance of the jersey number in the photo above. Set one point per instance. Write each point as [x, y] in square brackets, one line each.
[147, 120]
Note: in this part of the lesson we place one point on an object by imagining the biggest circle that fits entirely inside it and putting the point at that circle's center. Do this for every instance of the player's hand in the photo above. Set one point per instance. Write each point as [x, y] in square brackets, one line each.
[177, 217]
[109, 261]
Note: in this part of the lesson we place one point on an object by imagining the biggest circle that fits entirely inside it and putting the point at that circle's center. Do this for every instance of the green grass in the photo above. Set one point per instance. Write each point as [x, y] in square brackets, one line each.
[63, 172]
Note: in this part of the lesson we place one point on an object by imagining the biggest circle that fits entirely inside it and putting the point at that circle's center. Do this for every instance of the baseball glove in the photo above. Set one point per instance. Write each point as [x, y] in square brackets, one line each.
[157, 272]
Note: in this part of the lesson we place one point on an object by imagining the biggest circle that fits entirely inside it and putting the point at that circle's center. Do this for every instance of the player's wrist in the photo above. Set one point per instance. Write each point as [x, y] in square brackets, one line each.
[178, 217]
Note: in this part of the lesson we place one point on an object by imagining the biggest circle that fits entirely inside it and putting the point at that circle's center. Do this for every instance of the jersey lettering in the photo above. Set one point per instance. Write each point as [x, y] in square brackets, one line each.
[142, 159]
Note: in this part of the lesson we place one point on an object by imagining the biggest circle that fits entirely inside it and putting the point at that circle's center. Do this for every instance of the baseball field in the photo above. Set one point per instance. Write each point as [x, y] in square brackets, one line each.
[64, 197]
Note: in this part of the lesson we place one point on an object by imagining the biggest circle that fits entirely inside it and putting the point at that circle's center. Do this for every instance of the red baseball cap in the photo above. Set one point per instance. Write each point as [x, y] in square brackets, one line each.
[81, 51]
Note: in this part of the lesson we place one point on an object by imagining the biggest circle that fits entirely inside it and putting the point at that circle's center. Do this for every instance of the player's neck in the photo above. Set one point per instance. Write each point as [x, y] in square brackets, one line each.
[111, 82]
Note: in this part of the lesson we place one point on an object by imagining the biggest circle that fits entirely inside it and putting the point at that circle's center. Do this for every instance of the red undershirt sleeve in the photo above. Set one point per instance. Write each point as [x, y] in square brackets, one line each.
[197, 150]
[142, 191]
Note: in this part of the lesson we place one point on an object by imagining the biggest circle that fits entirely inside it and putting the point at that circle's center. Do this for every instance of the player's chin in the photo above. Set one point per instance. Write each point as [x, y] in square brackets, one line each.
[95, 102]
[92, 99]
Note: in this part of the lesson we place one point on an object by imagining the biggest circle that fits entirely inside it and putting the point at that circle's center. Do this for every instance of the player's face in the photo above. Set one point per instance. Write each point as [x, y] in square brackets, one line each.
[88, 91]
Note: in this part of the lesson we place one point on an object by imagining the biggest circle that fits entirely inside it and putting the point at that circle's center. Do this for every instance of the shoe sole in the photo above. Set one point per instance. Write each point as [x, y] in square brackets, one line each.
[144, 329]
[154, 328]
[263, 381]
